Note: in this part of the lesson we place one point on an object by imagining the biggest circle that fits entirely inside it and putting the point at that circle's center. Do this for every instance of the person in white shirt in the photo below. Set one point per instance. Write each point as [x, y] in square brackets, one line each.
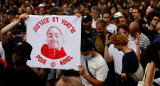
[95, 13]
[94, 69]
[110, 27]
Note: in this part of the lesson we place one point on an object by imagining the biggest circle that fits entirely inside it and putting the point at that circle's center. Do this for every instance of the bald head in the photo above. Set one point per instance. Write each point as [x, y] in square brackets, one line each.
[149, 10]
[69, 81]
[134, 28]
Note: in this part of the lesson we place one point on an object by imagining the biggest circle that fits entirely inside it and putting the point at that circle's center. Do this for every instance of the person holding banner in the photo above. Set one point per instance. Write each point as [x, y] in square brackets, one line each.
[94, 69]
[18, 35]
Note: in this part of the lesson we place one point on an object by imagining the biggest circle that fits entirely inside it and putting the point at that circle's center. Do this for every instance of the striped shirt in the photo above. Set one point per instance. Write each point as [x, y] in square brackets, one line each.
[143, 41]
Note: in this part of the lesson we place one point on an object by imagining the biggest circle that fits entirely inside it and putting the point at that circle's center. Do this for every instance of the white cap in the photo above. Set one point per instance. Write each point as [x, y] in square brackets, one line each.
[41, 5]
[117, 15]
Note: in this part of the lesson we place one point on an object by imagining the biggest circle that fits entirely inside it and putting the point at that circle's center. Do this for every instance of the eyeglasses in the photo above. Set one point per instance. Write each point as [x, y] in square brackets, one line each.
[155, 19]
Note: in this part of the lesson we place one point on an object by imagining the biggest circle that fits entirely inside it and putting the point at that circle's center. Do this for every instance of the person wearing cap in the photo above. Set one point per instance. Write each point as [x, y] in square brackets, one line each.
[42, 10]
[9, 15]
[87, 29]
[117, 15]
[19, 74]
[18, 36]
[68, 11]
[56, 11]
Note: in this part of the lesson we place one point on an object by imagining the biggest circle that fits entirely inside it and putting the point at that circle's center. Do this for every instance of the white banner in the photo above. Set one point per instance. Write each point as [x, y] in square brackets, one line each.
[55, 41]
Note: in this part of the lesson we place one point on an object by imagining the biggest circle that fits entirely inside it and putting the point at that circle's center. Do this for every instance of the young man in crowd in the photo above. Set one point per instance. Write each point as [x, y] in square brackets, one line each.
[87, 29]
[110, 27]
[19, 74]
[94, 69]
[152, 20]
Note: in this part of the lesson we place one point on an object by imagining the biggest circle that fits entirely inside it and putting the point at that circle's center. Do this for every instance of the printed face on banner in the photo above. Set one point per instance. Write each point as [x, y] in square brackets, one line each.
[55, 41]
[54, 47]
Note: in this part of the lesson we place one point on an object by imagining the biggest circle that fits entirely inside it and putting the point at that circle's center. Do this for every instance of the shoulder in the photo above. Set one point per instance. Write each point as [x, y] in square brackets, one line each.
[143, 36]
[112, 25]
[94, 35]
[99, 59]
[129, 54]
[131, 43]
[151, 64]
[110, 34]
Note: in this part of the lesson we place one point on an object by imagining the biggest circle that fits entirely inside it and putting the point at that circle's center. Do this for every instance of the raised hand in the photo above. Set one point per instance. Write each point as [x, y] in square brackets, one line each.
[107, 42]
[137, 39]
[22, 17]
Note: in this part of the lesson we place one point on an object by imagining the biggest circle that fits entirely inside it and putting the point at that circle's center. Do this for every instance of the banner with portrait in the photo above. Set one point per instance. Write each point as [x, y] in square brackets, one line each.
[55, 41]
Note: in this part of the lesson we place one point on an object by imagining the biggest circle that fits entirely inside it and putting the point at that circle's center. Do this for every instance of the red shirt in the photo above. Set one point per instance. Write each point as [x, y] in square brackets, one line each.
[52, 53]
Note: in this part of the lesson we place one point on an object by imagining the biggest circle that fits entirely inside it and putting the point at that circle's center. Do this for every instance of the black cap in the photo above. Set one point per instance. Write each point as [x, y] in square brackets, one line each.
[24, 48]
[9, 12]
[55, 10]
[87, 18]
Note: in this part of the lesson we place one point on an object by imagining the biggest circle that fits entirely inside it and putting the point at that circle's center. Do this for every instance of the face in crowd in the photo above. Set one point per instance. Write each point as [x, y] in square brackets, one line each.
[136, 14]
[100, 29]
[154, 21]
[106, 17]
[87, 24]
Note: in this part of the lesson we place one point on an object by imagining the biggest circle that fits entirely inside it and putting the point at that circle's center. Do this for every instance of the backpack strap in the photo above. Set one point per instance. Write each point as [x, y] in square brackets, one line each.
[89, 70]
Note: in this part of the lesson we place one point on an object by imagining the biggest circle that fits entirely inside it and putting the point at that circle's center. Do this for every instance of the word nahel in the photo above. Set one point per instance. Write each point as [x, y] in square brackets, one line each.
[53, 64]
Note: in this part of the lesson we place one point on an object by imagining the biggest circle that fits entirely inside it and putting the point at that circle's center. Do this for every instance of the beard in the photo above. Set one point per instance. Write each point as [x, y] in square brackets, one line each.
[101, 34]
[87, 27]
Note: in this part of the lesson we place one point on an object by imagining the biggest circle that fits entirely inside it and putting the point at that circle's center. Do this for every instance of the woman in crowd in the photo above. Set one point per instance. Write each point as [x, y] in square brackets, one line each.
[130, 62]
[152, 56]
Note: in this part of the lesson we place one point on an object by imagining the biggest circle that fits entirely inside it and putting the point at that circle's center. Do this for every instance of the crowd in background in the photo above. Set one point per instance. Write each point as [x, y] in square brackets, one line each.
[118, 38]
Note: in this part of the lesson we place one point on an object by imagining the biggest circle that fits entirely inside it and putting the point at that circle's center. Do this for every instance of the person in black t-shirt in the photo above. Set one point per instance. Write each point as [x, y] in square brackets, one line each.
[20, 74]
[129, 61]
[152, 19]
[87, 29]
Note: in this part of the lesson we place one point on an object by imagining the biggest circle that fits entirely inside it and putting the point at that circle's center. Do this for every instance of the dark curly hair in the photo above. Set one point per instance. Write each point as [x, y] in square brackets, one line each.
[151, 16]
[151, 54]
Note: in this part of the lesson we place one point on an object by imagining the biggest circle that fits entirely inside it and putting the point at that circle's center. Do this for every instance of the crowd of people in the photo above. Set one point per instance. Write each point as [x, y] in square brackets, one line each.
[120, 43]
